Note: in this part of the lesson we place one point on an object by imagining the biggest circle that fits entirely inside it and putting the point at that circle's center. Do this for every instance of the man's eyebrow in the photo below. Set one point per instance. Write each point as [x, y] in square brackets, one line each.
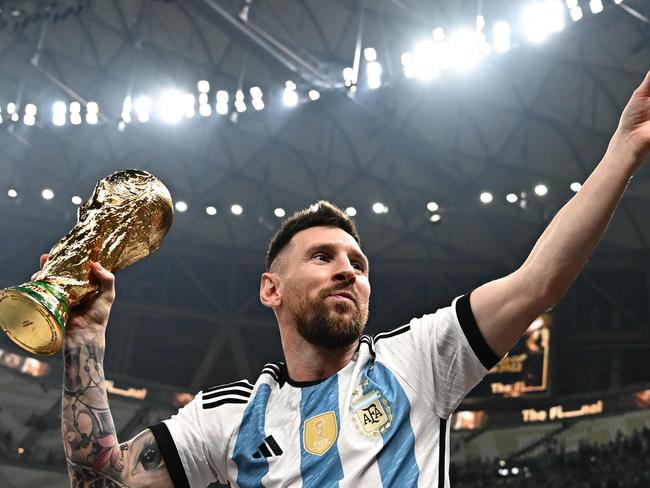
[325, 246]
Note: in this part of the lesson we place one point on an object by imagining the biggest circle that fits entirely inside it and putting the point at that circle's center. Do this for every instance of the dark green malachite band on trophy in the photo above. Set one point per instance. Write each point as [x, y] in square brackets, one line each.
[52, 308]
[59, 296]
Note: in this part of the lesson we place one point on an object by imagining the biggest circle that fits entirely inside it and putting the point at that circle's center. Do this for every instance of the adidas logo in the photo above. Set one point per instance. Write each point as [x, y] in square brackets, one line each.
[268, 448]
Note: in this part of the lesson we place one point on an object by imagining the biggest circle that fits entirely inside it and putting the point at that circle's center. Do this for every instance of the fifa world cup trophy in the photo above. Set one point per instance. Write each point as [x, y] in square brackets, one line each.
[124, 220]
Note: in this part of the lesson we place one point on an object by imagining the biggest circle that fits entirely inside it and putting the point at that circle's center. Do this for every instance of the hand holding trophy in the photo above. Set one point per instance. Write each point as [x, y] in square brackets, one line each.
[124, 220]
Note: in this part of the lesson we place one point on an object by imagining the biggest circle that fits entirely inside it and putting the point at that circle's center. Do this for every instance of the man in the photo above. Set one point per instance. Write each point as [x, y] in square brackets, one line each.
[343, 409]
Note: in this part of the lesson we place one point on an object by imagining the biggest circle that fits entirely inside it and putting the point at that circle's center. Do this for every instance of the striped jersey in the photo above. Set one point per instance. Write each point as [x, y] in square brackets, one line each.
[381, 421]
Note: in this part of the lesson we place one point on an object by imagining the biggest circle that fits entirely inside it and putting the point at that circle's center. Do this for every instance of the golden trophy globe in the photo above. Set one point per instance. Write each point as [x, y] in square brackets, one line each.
[124, 220]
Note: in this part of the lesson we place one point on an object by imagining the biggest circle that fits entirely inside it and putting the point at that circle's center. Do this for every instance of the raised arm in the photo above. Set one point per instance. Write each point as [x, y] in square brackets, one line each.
[94, 456]
[504, 308]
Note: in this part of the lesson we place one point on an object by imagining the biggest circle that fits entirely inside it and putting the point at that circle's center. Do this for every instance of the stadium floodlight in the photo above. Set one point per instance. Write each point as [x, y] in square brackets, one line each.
[205, 110]
[486, 197]
[542, 18]
[30, 109]
[373, 71]
[314, 95]
[15, 117]
[576, 14]
[351, 211]
[370, 54]
[348, 76]
[435, 218]
[480, 23]
[289, 96]
[541, 190]
[279, 212]
[47, 194]
[240, 104]
[127, 106]
[432, 206]
[501, 36]
[429, 58]
[511, 198]
[596, 6]
[258, 103]
[203, 99]
[408, 65]
[222, 102]
[75, 113]
[171, 106]
[142, 106]
[575, 186]
[210, 210]
[181, 206]
[438, 34]
[571, 4]
[59, 110]
[11, 108]
[236, 209]
[11, 193]
[203, 86]
[92, 111]
[379, 208]
[76, 200]
[256, 92]
[29, 119]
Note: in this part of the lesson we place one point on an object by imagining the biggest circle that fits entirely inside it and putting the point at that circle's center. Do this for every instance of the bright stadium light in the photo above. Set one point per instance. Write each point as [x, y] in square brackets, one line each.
[75, 113]
[189, 103]
[11, 193]
[314, 95]
[512, 198]
[203, 86]
[429, 58]
[408, 65]
[11, 108]
[576, 14]
[126, 110]
[465, 49]
[480, 23]
[142, 106]
[47, 194]
[30, 109]
[236, 209]
[486, 197]
[596, 6]
[351, 211]
[205, 110]
[435, 218]
[279, 212]
[211, 210]
[370, 54]
[501, 36]
[171, 106]
[289, 96]
[438, 34]
[575, 186]
[379, 208]
[181, 206]
[432, 206]
[59, 111]
[92, 111]
[15, 117]
[542, 18]
[240, 105]
[256, 95]
[222, 102]
[541, 190]
[373, 71]
[348, 76]
[76, 200]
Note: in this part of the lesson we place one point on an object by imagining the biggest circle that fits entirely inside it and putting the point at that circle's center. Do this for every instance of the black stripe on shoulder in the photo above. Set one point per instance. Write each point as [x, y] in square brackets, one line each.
[442, 451]
[392, 333]
[224, 401]
[242, 383]
[474, 336]
[367, 340]
[170, 455]
[229, 391]
[271, 373]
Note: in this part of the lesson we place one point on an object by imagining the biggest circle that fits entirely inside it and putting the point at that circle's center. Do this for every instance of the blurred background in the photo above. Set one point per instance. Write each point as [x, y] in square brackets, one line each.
[452, 131]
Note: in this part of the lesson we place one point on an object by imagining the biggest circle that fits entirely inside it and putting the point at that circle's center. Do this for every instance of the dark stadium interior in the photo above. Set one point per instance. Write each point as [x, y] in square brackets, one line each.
[189, 316]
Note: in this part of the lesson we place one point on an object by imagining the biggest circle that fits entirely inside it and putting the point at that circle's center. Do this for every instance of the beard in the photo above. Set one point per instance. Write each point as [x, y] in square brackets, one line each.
[330, 326]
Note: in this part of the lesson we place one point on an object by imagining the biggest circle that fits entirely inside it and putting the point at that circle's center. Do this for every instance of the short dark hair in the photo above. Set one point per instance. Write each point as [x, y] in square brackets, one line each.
[322, 213]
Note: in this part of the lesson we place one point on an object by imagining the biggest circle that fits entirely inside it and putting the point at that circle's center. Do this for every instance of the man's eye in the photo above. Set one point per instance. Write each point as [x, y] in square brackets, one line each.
[321, 257]
[150, 458]
[358, 266]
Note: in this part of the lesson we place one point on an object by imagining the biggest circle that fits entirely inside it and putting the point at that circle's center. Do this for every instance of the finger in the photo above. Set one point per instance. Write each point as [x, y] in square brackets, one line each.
[645, 84]
[42, 260]
[106, 281]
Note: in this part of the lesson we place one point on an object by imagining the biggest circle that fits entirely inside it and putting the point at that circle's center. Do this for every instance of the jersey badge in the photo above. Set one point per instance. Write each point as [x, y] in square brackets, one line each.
[371, 413]
[320, 433]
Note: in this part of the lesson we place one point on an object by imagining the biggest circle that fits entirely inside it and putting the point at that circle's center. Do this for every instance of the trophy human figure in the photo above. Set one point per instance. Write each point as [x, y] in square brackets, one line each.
[124, 220]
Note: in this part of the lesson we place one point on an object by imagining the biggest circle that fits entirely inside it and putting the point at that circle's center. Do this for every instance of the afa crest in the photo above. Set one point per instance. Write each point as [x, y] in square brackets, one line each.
[371, 413]
[320, 433]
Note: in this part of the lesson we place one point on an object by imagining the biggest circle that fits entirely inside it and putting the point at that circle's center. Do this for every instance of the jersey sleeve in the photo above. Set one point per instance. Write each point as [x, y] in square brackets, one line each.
[183, 442]
[441, 356]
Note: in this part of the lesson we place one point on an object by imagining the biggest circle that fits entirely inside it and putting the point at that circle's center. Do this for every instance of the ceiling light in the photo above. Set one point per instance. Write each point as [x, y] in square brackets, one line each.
[511, 198]
[486, 197]
[12, 193]
[211, 210]
[314, 95]
[379, 208]
[47, 194]
[432, 206]
[181, 206]
[236, 209]
[575, 186]
[279, 212]
[541, 190]
[435, 218]
[76, 200]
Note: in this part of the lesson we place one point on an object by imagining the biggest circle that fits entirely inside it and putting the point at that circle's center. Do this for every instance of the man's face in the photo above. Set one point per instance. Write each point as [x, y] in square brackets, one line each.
[325, 287]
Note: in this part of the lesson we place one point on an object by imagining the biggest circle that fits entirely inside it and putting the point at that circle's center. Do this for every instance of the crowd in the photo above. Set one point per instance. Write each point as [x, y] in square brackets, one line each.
[623, 463]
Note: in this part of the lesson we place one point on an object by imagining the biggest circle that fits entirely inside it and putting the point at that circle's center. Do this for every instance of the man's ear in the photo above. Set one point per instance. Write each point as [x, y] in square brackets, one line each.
[269, 290]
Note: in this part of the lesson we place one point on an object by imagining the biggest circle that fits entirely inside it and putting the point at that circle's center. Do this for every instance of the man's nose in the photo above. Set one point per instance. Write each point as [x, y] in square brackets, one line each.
[345, 272]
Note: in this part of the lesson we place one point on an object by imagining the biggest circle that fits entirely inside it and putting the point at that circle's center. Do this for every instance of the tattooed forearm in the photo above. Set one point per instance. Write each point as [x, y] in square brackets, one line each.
[88, 430]
[83, 476]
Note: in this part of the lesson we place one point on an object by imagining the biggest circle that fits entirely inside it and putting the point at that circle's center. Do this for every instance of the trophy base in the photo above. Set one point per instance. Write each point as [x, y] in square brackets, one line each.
[33, 315]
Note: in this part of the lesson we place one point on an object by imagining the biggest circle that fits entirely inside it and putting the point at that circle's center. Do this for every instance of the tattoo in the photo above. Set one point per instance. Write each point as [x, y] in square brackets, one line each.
[86, 477]
[88, 430]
